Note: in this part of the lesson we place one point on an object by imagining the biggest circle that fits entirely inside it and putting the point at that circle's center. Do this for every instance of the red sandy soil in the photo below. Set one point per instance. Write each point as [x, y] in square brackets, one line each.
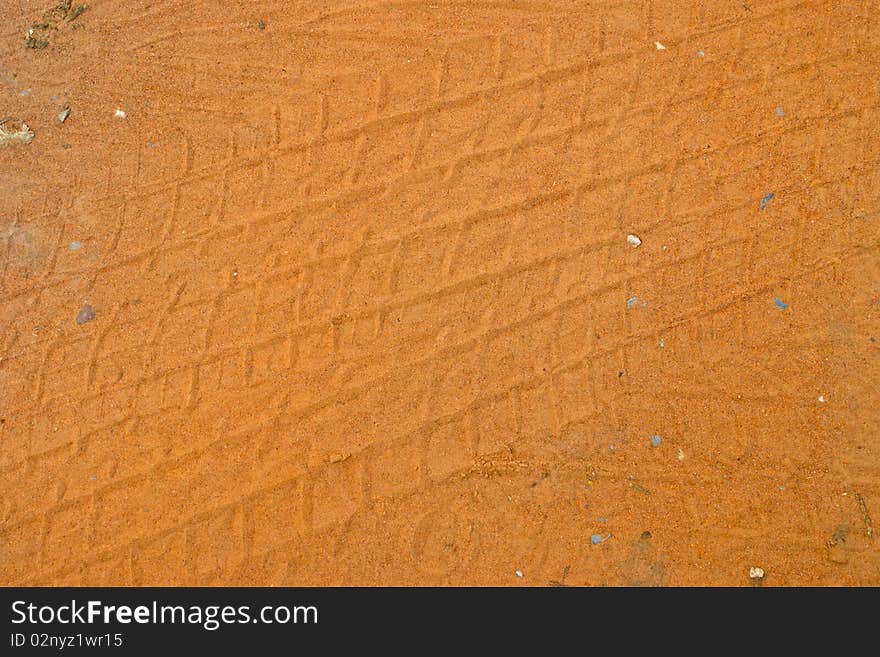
[365, 312]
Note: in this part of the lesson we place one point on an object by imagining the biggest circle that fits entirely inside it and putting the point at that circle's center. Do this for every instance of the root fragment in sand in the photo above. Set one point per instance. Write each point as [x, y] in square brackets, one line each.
[76, 12]
[22, 135]
[866, 518]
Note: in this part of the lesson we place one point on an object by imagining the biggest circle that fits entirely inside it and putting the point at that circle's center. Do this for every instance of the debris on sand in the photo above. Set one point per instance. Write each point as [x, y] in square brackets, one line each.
[756, 574]
[866, 518]
[35, 42]
[76, 12]
[596, 539]
[659, 45]
[119, 114]
[655, 441]
[22, 135]
[633, 240]
[519, 573]
[841, 533]
[37, 36]
[87, 314]
[766, 200]
[63, 114]
[779, 303]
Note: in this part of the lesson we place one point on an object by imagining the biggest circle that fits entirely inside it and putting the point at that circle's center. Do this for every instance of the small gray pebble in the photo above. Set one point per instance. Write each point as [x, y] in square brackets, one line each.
[87, 314]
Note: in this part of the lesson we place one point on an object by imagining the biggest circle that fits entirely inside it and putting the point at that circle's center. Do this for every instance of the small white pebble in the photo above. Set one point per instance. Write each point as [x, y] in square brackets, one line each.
[756, 573]
[234, 274]
[119, 114]
[700, 53]
[680, 454]
[519, 573]
[659, 45]
[634, 240]
[662, 344]
[822, 398]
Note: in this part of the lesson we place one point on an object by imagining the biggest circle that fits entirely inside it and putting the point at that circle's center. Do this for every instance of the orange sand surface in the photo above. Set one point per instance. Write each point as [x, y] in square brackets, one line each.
[458, 292]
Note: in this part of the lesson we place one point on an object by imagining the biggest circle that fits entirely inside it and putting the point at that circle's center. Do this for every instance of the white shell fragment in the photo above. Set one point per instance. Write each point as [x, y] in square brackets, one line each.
[659, 45]
[756, 573]
[23, 135]
[119, 114]
[633, 240]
